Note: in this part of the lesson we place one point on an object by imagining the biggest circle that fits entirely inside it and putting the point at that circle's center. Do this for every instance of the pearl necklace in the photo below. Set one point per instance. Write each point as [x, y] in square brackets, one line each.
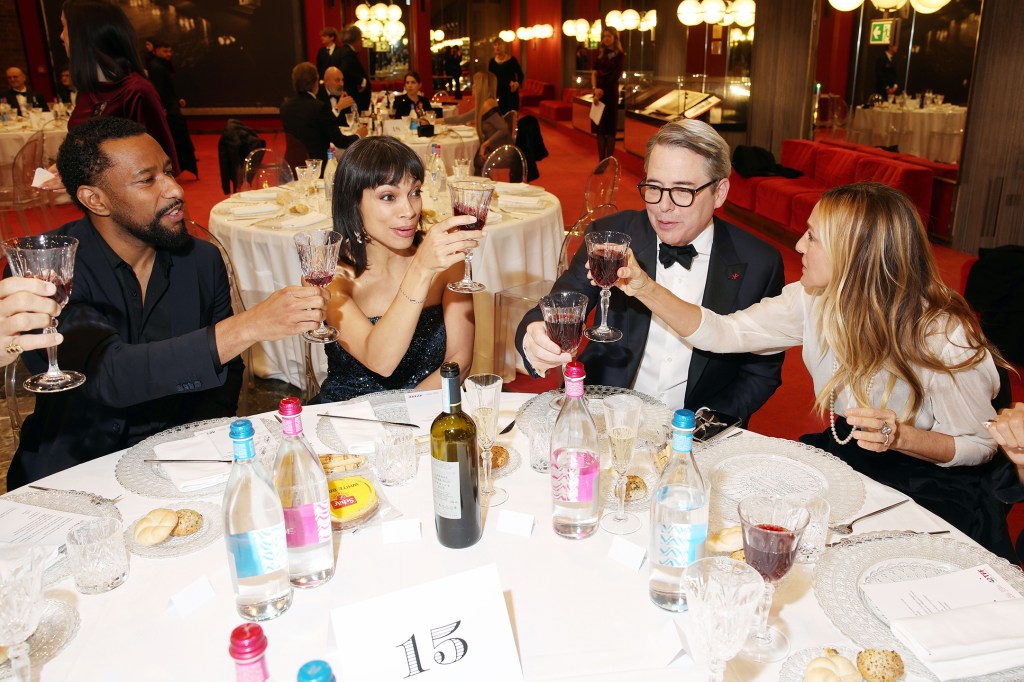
[832, 408]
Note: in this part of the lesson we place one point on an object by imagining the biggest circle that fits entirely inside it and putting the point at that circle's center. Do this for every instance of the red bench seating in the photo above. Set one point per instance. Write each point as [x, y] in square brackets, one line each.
[559, 109]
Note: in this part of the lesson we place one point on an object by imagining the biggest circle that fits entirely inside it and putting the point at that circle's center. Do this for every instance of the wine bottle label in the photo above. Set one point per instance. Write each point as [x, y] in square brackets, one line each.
[680, 544]
[308, 524]
[447, 491]
[258, 552]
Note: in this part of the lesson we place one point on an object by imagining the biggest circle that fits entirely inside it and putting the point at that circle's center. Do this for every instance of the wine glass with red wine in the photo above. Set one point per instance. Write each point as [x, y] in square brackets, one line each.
[470, 197]
[565, 314]
[50, 258]
[607, 253]
[772, 528]
[318, 256]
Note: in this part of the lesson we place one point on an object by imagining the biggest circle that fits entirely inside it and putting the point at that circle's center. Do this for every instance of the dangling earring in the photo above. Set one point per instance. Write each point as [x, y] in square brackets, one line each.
[359, 237]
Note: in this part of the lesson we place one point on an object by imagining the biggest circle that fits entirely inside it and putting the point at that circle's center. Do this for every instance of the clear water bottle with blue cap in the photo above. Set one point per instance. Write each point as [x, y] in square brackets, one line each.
[255, 533]
[316, 671]
[679, 518]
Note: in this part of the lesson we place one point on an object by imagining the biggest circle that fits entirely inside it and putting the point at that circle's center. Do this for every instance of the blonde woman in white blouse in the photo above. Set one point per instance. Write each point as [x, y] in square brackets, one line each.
[899, 363]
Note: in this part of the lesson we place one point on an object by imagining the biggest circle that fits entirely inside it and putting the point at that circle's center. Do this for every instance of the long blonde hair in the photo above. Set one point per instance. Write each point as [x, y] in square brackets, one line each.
[485, 87]
[885, 298]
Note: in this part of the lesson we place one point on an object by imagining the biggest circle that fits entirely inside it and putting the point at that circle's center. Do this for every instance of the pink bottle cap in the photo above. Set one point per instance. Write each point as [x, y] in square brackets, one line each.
[574, 370]
[290, 407]
[247, 641]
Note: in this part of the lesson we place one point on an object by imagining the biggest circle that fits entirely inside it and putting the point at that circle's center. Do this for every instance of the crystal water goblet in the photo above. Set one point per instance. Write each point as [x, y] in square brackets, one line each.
[50, 258]
[483, 398]
[606, 252]
[470, 197]
[318, 257]
[21, 602]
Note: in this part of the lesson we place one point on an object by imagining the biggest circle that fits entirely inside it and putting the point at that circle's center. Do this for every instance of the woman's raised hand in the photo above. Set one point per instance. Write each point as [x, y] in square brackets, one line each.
[632, 277]
[446, 243]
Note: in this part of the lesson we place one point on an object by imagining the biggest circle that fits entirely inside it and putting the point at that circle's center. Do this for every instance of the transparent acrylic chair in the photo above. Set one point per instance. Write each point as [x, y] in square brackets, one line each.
[601, 185]
[264, 168]
[506, 164]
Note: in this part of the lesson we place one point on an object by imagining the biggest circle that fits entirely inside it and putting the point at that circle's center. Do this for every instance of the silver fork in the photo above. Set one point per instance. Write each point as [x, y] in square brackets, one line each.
[847, 528]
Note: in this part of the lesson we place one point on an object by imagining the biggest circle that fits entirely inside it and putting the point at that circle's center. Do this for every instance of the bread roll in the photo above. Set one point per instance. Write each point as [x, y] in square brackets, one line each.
[189, 522]
[880, 666]
[636, 488]
[155, 527]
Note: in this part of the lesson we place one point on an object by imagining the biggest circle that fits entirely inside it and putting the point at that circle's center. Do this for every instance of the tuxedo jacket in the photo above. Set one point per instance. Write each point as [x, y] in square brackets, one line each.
[325, 59]
[33, 98]
[310, 120]
[354, 74]
[742, 270]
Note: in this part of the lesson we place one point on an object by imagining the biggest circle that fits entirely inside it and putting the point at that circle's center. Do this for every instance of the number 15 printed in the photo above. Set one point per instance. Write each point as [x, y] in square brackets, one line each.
[447, 650]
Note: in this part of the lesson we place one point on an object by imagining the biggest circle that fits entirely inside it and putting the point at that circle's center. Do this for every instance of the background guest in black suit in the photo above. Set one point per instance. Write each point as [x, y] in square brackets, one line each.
[19, 92]
[163, 78]
[330, 54]
[66, 91]
[886, 78]
[727, 269]
[333, 92]
[357, 82]
[309, 121]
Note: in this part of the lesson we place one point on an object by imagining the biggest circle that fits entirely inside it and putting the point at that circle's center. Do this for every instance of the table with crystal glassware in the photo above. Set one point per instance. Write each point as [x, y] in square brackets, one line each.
[935, 133]
[13, 137]
[577, 611]
[520, 245]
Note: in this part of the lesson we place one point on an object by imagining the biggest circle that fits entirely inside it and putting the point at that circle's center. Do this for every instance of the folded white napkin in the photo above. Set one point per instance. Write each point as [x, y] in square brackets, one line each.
[258, 195]
[305, 220]
[966, 642]
[186, 476]
[518, 188]
[357, 437]
[254, 209]
[520, 201]
[41, 176]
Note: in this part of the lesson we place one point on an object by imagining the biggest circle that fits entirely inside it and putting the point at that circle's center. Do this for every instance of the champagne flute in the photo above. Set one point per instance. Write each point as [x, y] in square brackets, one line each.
[565, 313]
[772, 528]
[21, 602]
[50, 258]
[607, 253]
[318, 256]
[483, 396]
[470, 197]
[622, 422]
[722, 595]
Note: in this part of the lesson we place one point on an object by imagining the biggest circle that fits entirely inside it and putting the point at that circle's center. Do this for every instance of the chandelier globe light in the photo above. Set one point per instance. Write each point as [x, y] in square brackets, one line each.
[845, 5]
[395, 12]
[630, 19]
[712, 11]
[743, 12]
[379, 12]
[614, 19]
[727, 18]
[928, 6]
[362, 12]
[569, 28]
[688, 12]
[888, 5]
[374, 29]
[507, 35]
[649, 21]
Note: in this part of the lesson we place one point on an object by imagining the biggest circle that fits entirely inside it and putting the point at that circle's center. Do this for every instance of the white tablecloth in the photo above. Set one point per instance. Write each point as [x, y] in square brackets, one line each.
[522, 247]
[14, 136]
[935, 133]
[456, 142]
[577, 615]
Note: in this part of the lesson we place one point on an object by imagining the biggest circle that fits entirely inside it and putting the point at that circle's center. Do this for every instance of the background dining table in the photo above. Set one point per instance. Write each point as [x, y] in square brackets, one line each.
[459, 141]
[13, 137]
[935, 133]
[577, 612]
[520, 245]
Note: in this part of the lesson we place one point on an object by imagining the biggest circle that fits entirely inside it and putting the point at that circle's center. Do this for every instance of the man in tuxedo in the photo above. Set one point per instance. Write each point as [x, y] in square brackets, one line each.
[19, 93]
[66, 91]
[681, 244]
[356, 80]
[309, 121]
[333, 91]
[330, 53]
[886, 78]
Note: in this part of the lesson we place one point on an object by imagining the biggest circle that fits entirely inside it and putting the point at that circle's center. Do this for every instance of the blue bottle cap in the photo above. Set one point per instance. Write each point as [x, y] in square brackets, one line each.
[683, 419]
[316, 671]
[240, 429]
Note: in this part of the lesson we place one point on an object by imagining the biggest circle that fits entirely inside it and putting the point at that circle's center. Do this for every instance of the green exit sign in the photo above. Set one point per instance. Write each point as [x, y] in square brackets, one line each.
[882, 32]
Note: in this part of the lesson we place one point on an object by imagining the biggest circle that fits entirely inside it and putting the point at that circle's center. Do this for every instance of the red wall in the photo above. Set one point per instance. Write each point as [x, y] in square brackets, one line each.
[35, 51]
[320, 13]
[834, 43]
[544, 57]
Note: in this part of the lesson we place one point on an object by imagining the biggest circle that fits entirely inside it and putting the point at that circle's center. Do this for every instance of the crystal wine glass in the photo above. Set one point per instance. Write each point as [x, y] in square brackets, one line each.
[722, 595]
[607, 253]
[565, 313]
[483, 396]
[317, 165]
[772, 528]
[21, 602]
[622, 421]
[318, 256]
[50, 258]
[470, 197]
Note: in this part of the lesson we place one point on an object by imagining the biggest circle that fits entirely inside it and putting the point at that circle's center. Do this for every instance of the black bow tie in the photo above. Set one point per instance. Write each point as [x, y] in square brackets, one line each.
[683, 255]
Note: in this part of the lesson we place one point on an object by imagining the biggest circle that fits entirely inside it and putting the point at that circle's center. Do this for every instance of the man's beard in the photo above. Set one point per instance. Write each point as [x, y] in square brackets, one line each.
[174, 239]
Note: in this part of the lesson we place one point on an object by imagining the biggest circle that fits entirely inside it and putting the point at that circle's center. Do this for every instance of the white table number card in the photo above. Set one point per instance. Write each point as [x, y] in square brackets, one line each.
[456, 628]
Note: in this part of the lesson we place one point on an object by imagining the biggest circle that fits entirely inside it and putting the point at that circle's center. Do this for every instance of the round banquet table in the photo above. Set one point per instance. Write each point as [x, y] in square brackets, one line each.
[456, 142]
[935, 133]
[576, 613]
[14, 136]
[522, 246]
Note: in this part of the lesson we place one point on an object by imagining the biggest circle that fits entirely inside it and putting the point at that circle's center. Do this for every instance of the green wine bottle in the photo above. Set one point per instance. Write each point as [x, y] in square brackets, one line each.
[454, 467]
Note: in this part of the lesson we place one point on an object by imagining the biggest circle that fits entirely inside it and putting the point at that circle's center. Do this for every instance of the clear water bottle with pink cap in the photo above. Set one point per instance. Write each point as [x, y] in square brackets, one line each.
[575, 463]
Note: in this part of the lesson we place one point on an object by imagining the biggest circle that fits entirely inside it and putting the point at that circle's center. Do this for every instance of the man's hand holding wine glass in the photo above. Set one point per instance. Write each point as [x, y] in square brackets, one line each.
[286, 312]
[25, 304]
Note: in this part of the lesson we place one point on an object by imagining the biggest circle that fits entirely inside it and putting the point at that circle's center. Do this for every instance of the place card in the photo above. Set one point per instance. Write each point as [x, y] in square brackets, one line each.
[969, 587]
[624, 552]
[400, 530]
[423, 407]
[457, 628]
[515, 523]
[192, 597]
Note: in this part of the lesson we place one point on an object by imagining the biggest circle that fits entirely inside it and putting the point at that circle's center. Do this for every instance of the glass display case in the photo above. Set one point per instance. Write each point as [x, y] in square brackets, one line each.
[722, 102]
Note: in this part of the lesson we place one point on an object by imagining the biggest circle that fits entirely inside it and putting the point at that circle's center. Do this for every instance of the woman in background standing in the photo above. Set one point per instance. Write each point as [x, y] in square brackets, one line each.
[509, 73]
[605, 81]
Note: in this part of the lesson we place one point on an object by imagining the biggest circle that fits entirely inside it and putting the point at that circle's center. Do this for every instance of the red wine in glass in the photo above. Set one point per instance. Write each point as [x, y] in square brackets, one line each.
[566, 329]
[605, 262]
[771, 550]
[319, 279]
[463, 209]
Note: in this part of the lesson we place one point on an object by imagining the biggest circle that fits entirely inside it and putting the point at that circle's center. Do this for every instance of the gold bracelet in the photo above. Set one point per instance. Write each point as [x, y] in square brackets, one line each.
[410, 298]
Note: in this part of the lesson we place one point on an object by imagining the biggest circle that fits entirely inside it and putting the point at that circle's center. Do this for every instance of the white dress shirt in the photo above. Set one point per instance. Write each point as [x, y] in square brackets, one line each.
[665, 364]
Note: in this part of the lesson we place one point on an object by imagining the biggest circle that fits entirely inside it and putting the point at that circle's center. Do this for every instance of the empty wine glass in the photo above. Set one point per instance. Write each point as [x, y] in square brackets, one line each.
[565, 313]
[317, 165]
[607, 253]
[721, 596]
[21, 602]
[470, 197]
[772, 528]
[318, 256]
[50, 258]
[622, 421]
[483, 397]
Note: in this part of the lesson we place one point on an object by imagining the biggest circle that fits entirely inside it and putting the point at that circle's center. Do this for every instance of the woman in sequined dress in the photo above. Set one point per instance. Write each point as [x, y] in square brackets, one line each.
[396, 317]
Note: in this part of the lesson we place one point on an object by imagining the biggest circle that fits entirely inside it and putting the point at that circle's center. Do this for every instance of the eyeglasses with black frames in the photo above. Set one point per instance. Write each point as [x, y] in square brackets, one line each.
[683, 197]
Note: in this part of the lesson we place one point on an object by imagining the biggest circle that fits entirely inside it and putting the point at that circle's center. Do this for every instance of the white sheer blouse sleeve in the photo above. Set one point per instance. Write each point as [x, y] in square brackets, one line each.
[769, 326]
